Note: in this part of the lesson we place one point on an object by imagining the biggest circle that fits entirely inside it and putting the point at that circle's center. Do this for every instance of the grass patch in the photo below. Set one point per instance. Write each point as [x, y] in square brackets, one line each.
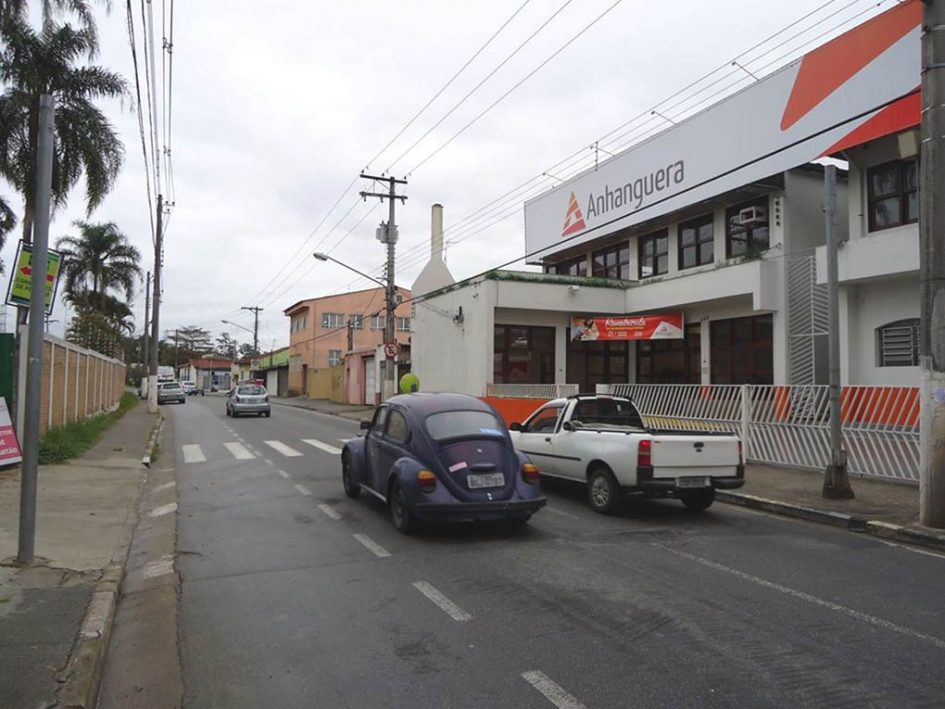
[75, 438]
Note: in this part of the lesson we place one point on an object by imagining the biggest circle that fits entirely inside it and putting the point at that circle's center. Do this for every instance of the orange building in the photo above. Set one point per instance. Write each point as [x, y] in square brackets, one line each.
[319, 330]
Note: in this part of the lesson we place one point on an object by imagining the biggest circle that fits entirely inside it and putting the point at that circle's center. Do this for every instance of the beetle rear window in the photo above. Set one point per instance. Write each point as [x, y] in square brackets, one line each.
[462, 424]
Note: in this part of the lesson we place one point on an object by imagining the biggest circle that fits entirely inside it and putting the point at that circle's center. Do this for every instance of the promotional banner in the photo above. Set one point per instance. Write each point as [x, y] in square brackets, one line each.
[859, 86]
[9, 446]
[664, 326]
[19, 290]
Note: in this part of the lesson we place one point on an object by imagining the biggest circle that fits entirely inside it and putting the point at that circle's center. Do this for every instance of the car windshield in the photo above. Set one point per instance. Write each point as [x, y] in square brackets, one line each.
[606, 413]
[251, 390]
[462, 424]
[171, 385]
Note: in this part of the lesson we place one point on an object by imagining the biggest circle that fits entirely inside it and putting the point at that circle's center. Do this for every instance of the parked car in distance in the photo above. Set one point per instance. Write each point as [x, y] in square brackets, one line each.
[602, 441]
[248, 399]
[191, 388]
[440, 456]
[169, 392]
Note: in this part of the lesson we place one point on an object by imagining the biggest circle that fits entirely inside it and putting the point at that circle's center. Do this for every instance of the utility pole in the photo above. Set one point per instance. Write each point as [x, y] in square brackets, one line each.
[932, 269]
[156, 308]
[176, 350]
[255, 311]
[34, 358]
[147, 318]
[387, 234]
[836, 480]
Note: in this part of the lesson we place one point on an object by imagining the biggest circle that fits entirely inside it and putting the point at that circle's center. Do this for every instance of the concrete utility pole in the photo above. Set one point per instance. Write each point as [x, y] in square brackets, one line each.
[34, 359]
[388, 235]
[156, 308]
[932, 269]
[255, 311]
[147, 318]
[836, 480]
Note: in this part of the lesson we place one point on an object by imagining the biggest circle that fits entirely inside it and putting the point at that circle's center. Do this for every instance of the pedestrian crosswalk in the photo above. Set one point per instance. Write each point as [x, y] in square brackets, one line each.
[243, 450]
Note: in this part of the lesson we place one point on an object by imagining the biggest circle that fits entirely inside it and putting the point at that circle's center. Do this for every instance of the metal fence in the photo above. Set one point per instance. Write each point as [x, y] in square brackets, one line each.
[779, 425]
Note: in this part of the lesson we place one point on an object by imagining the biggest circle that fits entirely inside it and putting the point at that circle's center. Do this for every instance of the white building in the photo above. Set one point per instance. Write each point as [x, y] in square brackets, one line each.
[697, 256]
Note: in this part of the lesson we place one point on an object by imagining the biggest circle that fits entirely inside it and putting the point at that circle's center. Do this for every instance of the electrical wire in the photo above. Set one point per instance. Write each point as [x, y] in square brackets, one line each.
[144, 149]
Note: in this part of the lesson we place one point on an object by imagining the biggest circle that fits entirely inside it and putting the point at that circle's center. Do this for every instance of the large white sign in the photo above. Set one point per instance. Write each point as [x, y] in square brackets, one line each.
[858, 86]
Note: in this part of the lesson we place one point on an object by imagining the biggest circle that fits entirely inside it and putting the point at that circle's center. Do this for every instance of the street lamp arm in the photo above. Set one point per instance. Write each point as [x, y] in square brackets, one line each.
[230, 322]
[326, 257]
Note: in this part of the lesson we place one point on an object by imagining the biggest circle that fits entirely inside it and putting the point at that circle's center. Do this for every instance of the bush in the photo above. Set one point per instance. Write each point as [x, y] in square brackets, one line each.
[75, 438]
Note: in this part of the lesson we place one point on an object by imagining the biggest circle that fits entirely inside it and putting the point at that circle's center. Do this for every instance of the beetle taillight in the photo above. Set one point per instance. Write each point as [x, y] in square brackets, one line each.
[530, 473]
[426, 481]
[644, 456]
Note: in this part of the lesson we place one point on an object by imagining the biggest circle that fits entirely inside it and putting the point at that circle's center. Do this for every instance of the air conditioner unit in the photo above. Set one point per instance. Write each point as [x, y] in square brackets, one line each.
[753, 215]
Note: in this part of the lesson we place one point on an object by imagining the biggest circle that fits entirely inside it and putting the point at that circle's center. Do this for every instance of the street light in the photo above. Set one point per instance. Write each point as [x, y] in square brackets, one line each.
[228, 322]
[326, 257]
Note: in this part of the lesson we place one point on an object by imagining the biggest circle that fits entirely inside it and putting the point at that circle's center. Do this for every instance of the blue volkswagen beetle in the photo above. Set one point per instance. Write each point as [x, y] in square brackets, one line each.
[440, 457]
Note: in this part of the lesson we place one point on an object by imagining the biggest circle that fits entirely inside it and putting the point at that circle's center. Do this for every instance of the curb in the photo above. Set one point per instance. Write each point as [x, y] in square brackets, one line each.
[338, 414]
[83, 673]
[855, 523]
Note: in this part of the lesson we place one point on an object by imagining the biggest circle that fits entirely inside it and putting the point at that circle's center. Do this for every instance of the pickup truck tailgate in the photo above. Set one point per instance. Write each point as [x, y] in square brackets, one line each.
[693, 454]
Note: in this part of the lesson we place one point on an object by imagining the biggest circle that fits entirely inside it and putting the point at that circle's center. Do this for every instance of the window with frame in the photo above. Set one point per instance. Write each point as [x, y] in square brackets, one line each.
[377, 322]
[403, 324]
[745, 237]
[742, 350]
[654, 254]
[299, 322]
[523, 355]
[397, 427]
[357, 321]
[334, 358]
[697, 242]
[897, 344]
[612, 262]
[333, 320]
[573, 267]
[893, 194]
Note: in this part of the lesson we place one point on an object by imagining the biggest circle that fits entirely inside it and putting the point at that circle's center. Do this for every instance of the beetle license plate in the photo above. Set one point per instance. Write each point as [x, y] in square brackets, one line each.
[486, 480]
[694, 482]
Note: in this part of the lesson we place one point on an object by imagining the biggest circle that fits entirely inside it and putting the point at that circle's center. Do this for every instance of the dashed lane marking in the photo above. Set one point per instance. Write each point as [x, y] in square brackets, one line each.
[193, 453]
[372, 546]
[161, 567]
[304, 490]
[552, 691]
[269, 462]
[328, 510]
[321, 445]
[165, 486]
[283, 474]
[444, 603]
[238, 451]
[281, 447]
[163, 510]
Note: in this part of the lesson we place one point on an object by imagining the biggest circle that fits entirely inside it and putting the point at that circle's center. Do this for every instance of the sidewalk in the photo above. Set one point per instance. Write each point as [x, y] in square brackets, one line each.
[86, 510]
[348, 411]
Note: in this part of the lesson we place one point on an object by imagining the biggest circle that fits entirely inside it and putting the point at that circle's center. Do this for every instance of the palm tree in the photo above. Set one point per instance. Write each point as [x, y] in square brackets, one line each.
[80, 8]
[97, 261]
[32, 64]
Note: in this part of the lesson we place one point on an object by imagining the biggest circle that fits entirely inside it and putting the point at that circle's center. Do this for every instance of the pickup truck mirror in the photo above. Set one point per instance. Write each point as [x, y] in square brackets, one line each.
[567, 426]
[515, 426]
[365, 424]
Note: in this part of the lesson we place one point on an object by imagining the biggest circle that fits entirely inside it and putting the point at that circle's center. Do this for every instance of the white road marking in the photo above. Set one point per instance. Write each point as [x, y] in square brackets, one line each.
[905, 547]
[373, 546]
[345, 440]
[815, 600]
[563, 513]
[165, 486]
[164, 510]
[552, 691]
[330, 511]
[304, 490]
[445, 604]
[281, 447]
[238, 451]
[161, 567]
[193, 453]
[269, 462]
[322, 446]
[283, 474]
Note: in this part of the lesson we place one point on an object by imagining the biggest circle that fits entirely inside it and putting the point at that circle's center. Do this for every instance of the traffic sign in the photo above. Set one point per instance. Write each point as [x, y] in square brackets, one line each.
[391, 349]
[19, 290]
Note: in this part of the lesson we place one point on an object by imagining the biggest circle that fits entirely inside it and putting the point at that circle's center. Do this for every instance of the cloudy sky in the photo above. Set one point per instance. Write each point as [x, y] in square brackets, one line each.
[276, 107]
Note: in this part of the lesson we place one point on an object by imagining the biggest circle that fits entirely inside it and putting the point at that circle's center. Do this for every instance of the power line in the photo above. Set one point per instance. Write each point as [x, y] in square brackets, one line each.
[144, 149]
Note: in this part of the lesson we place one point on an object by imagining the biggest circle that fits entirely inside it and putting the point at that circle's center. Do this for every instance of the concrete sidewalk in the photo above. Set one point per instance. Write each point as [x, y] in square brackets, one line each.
[86, 512]
[348, 411]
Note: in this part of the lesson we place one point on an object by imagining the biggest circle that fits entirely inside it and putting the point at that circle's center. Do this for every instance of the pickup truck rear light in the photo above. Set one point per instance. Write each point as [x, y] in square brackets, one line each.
[741, 458]
[530, 473]
[644, 453]
[426, 480]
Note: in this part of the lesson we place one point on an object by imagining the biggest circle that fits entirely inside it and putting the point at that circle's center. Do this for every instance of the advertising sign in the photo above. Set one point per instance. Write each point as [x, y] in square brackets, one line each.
[664, 326]
[9, 446]
[19, 290]
[857, 87]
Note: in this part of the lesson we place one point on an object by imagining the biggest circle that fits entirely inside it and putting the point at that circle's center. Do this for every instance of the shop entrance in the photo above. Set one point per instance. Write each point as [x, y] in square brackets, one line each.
[597, 362]
[671, 361]
[742, 350]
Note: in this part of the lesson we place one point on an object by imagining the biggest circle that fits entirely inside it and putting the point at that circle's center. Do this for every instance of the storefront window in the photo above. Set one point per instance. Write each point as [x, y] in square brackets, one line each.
[671, 361]
[742, 351]
[597, 362]
[523, 355]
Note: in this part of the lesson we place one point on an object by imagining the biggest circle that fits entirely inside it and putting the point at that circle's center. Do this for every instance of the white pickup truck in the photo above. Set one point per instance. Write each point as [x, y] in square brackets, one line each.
[602, 441]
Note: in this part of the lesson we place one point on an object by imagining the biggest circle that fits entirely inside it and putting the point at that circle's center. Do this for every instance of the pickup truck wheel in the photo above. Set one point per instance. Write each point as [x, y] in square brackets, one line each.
[603, 492]
[698, 500]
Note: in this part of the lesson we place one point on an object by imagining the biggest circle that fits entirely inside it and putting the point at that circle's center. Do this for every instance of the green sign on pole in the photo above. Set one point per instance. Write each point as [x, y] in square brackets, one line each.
[19, 291]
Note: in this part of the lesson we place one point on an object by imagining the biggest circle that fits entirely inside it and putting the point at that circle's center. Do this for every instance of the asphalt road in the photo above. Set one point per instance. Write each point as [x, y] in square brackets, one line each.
[294, 595]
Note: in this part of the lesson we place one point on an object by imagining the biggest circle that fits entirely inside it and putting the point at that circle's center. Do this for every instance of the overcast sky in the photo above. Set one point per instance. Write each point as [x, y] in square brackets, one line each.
[276, 106]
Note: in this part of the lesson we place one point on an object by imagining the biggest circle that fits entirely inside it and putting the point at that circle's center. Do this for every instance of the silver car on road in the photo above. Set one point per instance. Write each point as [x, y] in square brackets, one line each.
[170, 391]
[248, 399]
